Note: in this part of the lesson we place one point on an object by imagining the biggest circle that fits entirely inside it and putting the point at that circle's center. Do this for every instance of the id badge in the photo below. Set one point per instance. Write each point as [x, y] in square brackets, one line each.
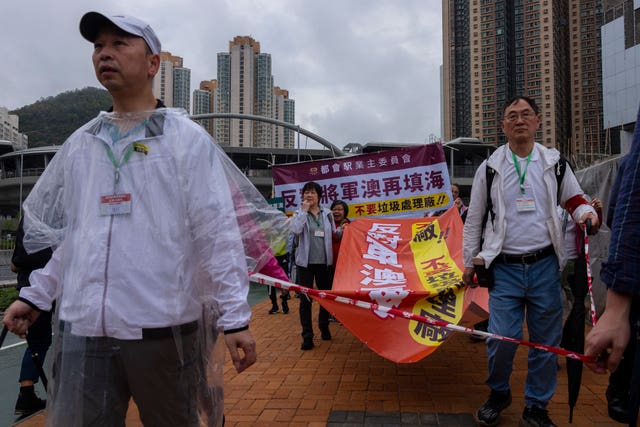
[525, 204]
[115, 204]
[319, 233]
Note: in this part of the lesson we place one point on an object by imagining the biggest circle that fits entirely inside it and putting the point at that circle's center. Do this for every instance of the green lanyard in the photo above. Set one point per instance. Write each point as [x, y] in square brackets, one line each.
[123, 160]
[313, 217]
[522, 174]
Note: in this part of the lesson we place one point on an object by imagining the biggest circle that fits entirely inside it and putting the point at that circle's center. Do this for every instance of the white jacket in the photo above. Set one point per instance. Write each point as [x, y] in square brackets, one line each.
[177, 250]
[300, 227]
[494, 233]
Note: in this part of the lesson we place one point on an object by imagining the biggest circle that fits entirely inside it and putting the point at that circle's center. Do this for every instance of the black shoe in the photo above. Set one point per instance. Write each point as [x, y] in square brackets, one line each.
[28, 403]
[285, 304]
[489, 413]
[477, 338]
[274, 310]
[325, 334]
[536, 417]
[307, 344]
[480, 326]
[618, 405]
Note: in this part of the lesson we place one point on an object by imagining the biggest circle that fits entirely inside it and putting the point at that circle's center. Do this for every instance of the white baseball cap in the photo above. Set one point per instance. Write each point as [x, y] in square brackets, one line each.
[92, 22]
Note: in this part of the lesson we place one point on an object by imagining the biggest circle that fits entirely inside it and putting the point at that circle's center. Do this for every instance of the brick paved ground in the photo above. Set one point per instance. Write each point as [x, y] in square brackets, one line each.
[342, 381]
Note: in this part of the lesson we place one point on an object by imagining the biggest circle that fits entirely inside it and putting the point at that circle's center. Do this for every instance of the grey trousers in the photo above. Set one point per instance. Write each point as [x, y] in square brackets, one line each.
[95, 378]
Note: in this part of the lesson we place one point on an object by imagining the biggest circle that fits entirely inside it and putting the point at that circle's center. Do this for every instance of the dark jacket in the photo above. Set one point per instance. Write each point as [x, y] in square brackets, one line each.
[622, 269]
[25, 262]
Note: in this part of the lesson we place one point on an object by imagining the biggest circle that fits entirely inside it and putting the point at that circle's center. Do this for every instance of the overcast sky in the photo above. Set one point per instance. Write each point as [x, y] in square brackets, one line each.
[358, 70]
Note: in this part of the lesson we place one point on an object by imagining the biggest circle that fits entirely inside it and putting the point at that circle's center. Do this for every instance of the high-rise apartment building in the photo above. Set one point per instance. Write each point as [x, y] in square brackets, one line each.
[283, 110]
[172, 84]
[222, 129]
[181, 88]
[587, 135]
[245, 86]
[263, 100]
[204, 102]
[10, 130]
[545, 49]
[620, 71]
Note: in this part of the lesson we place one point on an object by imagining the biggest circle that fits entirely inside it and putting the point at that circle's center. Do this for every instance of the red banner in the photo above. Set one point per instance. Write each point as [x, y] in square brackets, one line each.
[414, 265]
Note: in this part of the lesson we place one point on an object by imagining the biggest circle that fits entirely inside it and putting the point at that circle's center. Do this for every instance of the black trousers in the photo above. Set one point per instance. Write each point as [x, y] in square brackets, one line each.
[39, 341]
[626, 379]
[306, 275]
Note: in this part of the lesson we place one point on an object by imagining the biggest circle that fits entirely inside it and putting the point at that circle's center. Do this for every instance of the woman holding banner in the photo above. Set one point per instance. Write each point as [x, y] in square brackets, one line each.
[313, 227]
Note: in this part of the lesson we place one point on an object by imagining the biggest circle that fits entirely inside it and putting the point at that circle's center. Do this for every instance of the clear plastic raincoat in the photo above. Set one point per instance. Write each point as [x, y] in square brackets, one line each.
[154, 230]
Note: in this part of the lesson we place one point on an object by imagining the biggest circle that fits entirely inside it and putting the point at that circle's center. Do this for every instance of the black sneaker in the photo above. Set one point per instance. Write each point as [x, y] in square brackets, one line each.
[618, 405]
[480, 326]
[27, 404]
[536, 417]
[489, 413]
[274, 310]
[307, 344]
[325, 334]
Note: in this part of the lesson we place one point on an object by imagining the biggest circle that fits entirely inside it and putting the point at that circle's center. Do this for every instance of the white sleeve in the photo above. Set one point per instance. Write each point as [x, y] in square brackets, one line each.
[218, 242]
[298, 221]
[473, 226]
[570, 188]
[45, 283]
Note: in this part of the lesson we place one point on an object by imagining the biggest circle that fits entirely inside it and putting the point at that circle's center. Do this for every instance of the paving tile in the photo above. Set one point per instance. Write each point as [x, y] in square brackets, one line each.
[341, 383]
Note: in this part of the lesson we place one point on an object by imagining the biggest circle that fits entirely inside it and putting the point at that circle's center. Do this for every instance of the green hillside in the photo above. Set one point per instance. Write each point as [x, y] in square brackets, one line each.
[49, 121]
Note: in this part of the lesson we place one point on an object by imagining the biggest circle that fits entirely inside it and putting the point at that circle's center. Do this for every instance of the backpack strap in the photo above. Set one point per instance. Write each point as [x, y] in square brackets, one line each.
[560, 168]
[490, 173]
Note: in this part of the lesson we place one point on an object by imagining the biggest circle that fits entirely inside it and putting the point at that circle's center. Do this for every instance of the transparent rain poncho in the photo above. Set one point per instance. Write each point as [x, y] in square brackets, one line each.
[154, 235]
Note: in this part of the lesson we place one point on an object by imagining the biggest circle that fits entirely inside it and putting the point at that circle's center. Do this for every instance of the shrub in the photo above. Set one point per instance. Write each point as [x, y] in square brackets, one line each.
[7, 296]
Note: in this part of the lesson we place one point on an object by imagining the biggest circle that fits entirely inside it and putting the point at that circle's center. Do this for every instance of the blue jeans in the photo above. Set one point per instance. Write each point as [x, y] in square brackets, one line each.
[534, 290]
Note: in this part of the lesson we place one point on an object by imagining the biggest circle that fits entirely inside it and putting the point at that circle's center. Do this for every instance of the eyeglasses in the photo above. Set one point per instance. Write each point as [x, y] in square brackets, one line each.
[525, 115]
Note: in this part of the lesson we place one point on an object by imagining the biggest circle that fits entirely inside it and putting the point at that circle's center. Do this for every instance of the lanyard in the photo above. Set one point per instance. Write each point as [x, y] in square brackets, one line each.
[123, 160]
[522, 174]
[317, 221]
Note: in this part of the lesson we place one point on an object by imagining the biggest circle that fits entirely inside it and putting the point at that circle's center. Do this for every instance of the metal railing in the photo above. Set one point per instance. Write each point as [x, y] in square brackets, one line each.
[5, 174]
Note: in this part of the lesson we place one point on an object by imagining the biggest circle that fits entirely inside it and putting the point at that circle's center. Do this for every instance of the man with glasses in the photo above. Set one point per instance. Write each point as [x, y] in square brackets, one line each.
[521, 243]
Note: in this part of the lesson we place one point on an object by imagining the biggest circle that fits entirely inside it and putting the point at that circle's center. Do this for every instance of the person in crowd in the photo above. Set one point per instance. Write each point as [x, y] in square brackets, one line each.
[520, 242]
[313, 226]
[340, 211]
[38, 334]
[282, 258]
[149, 261]
[613, 341]
[617, 394]
[462, 210]
[574, 274]
[457, 201]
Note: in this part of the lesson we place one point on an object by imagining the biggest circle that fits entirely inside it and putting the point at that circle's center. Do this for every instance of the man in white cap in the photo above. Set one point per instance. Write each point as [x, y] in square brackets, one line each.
[149, 261]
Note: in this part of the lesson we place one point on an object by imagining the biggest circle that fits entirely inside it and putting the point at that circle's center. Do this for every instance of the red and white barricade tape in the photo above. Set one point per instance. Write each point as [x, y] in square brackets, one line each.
[594, 318]
[266, 280]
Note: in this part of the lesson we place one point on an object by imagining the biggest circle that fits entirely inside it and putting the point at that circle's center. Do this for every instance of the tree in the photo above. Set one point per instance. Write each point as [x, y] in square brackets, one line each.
[50, 121]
